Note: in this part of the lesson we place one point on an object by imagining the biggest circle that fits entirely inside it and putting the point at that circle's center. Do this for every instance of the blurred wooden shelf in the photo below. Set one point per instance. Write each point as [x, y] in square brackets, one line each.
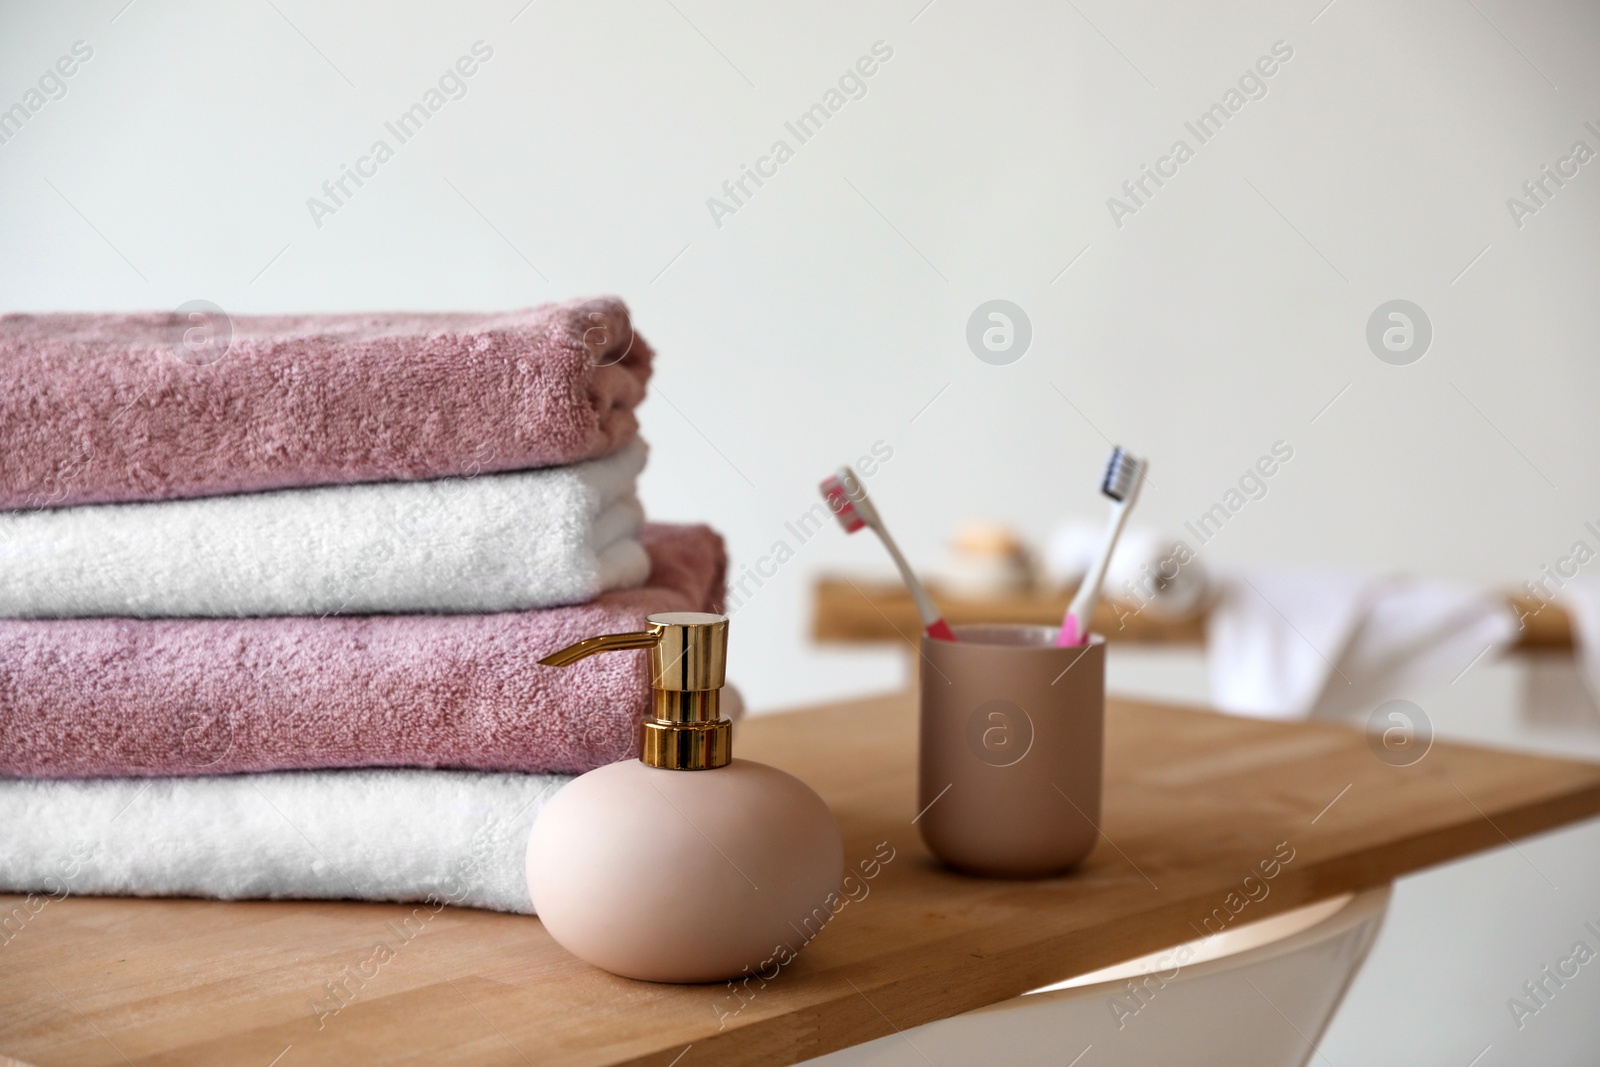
[863, 610]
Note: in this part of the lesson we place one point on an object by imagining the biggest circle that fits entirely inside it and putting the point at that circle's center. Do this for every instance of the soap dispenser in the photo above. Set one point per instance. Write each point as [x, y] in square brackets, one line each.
[684, 865]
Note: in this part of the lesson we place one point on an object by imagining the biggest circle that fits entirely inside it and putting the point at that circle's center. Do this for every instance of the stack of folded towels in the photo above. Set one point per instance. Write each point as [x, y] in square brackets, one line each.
[269, 626]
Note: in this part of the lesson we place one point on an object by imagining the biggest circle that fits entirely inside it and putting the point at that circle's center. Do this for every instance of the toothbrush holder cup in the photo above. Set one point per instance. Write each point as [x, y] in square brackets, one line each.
[1010, 750]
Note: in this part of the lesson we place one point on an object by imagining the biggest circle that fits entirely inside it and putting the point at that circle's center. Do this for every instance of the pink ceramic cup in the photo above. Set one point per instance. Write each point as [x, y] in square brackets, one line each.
[1010, 751]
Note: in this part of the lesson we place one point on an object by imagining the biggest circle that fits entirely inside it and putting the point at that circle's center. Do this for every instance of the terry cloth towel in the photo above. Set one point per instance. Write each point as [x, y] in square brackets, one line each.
[1582, 601]
[497, 542]
[97, 408]
[87, 697]
[447, 837]
[1285, 645]
[1149, 574]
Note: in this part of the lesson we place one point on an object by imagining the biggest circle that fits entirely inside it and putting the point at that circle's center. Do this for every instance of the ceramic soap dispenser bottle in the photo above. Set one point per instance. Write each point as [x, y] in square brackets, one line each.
[684, 865]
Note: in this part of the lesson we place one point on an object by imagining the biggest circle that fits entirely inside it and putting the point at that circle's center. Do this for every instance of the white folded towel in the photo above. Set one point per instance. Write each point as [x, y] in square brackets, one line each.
[1327, 643]
[1582, 601]
[457, 837]
[1149, 574]
[494, 542]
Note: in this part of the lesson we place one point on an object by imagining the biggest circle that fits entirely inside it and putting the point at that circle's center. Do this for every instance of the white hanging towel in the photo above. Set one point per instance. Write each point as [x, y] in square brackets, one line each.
[1293, 644]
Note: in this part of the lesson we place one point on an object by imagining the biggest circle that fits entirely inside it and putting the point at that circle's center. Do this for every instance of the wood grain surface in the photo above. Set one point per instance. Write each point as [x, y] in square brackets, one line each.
[850, 609]
[1195, 802]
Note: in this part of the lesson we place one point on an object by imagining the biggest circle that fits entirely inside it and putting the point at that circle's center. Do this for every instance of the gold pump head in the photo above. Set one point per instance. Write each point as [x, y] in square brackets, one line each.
[688, 666]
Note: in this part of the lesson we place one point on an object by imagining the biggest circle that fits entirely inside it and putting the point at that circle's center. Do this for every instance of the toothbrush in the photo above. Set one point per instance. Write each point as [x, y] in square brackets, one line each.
[848, 500]
[1124, 475]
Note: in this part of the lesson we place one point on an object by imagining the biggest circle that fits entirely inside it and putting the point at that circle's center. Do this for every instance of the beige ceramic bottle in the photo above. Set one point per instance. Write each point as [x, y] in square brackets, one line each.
[684, 865]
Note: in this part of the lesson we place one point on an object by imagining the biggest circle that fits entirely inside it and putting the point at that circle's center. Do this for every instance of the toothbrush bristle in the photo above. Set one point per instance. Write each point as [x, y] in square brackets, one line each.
[1122, 474]
[833, 491]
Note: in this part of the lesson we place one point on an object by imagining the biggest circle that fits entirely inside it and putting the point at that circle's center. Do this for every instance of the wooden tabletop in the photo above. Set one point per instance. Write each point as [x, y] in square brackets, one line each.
[848, 609]
[1194, 803]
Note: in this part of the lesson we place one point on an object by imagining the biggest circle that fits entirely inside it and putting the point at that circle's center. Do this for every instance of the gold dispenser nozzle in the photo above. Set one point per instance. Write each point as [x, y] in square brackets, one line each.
[688, 666]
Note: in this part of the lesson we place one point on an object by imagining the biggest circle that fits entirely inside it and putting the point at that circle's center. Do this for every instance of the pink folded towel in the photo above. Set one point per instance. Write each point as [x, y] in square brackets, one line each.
[97, 408]
[89, 697]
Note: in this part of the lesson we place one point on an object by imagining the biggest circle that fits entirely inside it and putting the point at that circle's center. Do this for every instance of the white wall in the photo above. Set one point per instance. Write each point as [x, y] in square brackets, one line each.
[808, 325]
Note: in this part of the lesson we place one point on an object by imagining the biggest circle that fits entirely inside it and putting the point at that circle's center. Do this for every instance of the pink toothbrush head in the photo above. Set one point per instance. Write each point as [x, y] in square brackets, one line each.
[848, 501]
[839, 502]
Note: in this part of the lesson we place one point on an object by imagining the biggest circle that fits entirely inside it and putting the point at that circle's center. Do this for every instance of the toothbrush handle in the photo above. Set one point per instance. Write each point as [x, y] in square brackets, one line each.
[1088, 596]
[926, 611]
